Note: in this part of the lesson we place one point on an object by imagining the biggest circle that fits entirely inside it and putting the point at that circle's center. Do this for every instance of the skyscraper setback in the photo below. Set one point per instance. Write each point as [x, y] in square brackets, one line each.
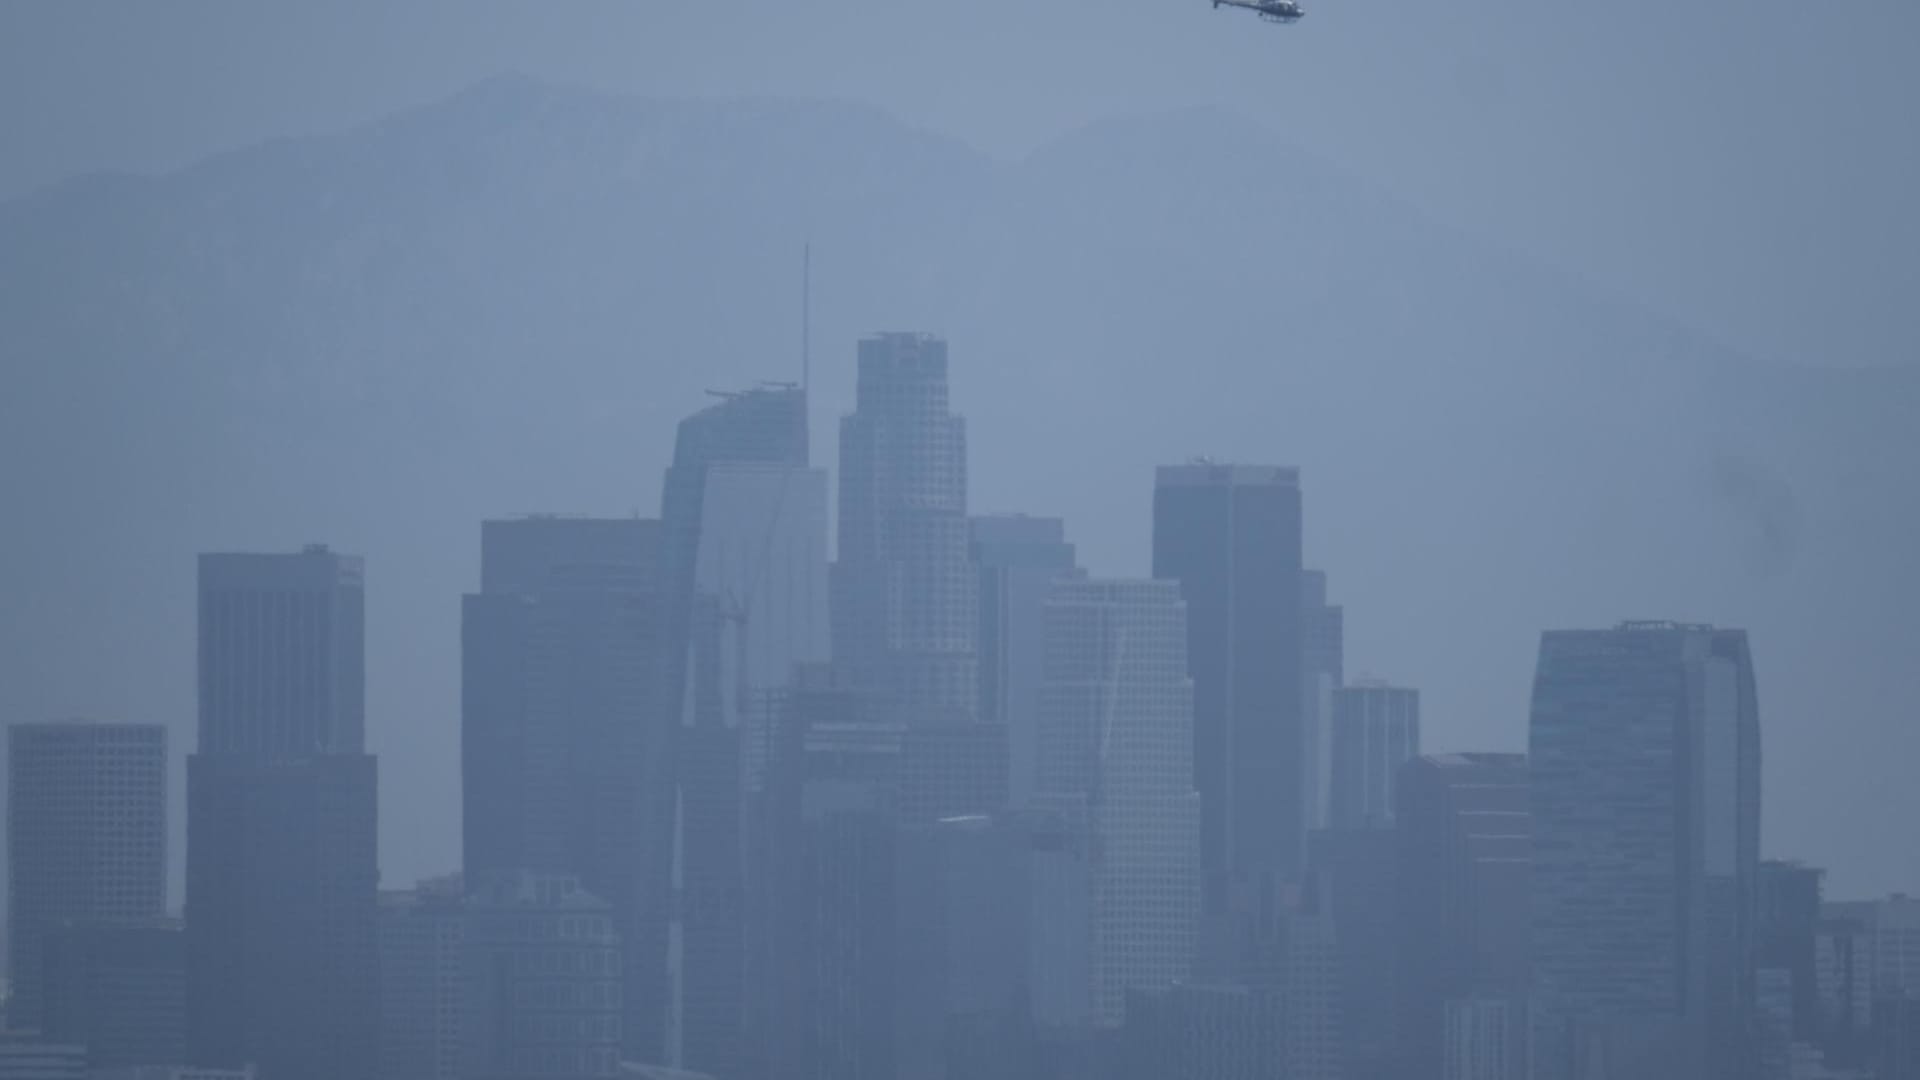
[1230, 535]
[904, 593]
[1645, 758]
[281, 860]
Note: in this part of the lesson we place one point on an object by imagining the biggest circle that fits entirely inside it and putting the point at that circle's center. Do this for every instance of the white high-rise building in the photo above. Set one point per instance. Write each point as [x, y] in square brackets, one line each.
[1116, 751]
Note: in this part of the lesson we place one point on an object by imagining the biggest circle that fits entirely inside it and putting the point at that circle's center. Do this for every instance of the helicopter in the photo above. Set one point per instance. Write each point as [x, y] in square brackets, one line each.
[1280, 11]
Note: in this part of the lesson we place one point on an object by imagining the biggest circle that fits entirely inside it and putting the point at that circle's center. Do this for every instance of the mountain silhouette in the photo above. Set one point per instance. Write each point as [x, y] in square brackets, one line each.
[503, 302]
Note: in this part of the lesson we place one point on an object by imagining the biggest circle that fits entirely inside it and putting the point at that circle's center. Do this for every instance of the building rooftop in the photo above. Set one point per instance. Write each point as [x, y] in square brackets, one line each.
[1204, 472]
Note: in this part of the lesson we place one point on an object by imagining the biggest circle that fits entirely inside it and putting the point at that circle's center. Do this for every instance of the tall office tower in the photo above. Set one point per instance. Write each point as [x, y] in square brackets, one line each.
[964, 941]
[903, 591]
[1464, 841]
[706, 964]
[1786, 923]
[1312, 999]
[1230, 535]
[1356, 872]
[1323, 629]
[746, 522]
[120, 990]
[86, 838]
[559, 693]
[1060, 911]
[746, 532]
[830, 969]
[568, 731]
[1376, 730]
[542, 983]
[1017, 558]
[1116, 748]
[422, 980]
[282, 870]
[775, 968]
[1645, 753]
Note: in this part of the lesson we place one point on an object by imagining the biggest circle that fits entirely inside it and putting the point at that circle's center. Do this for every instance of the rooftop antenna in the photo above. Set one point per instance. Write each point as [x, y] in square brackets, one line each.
[806, 317]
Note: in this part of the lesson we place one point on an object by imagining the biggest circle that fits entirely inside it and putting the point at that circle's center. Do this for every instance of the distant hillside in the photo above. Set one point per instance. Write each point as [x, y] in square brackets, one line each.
[502, 302]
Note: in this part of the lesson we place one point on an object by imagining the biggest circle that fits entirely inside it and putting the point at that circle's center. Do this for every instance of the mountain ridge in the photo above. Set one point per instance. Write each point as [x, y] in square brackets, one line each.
[504, 301]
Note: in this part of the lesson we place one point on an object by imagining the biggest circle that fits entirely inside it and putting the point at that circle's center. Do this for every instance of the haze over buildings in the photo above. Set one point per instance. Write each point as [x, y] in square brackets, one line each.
[723, 755]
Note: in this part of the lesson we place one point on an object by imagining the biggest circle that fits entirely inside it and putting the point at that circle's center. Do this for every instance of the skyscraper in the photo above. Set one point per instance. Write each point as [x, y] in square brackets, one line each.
[120, 990]
[1356, 876]
[422, 981]
[745, 523]
[1230, 535]
[1017, 558]
[1376, 730]
[282, 869]
[1645, 753]
[1311, 983]
[542, 981]
[903, 590]
[1465, 845]
[1323, 627]
[1116, 753]
[964, 910]
[832, 935]
[86, 838]
[568, 731]
[707, 969]
[1786, 925]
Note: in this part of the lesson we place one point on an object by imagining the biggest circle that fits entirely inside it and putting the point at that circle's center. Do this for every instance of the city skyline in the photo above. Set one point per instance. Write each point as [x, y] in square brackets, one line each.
[610, 327]
[763, 853]
[848, 541]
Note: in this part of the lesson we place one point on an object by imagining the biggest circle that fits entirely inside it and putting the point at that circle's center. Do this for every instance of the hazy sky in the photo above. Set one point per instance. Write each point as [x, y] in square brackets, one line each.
[1745, 167]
